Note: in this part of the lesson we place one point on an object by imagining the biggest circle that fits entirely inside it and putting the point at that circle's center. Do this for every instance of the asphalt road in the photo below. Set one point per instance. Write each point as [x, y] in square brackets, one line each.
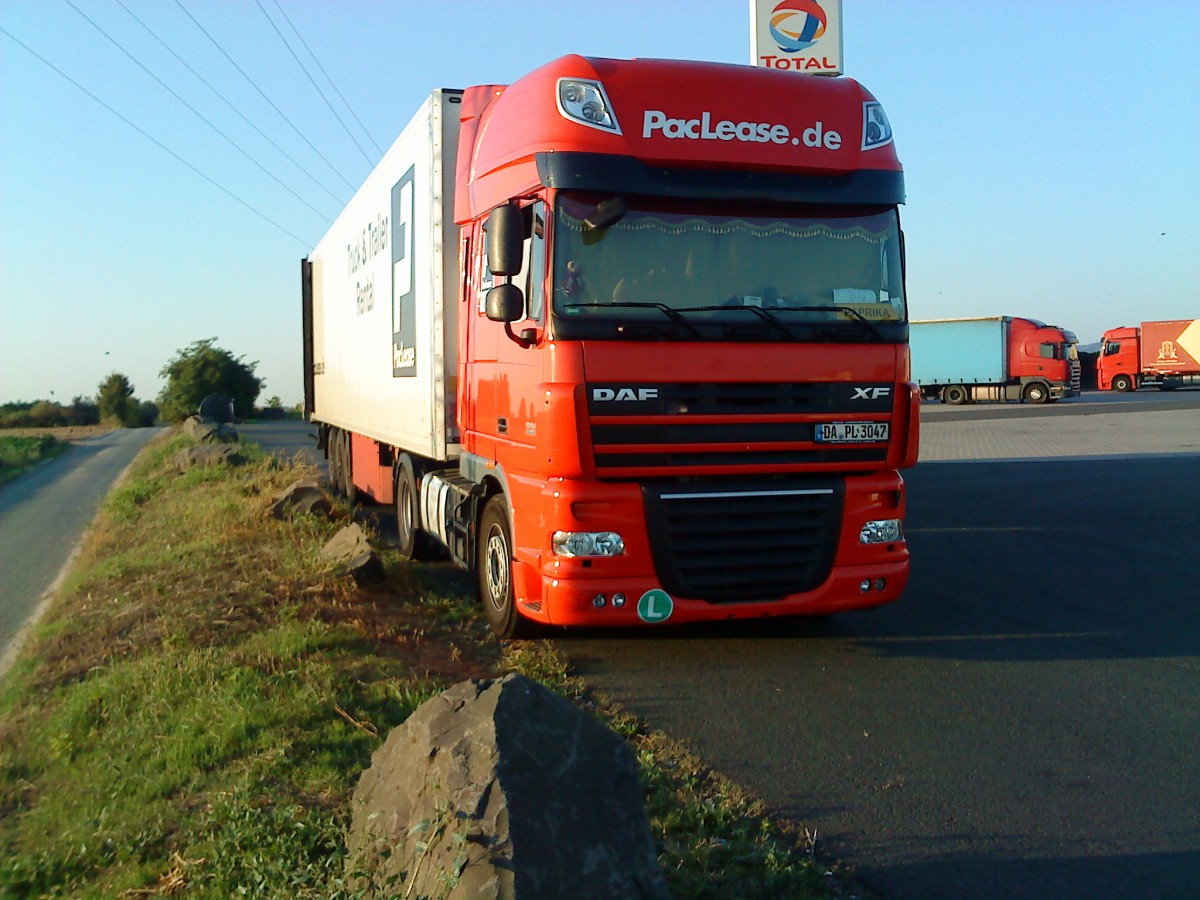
[43, 515]
[1023, 722]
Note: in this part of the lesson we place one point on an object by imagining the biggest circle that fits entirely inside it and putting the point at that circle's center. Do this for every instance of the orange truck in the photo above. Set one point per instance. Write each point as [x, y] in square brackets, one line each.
[628, 339]
[1165, 355]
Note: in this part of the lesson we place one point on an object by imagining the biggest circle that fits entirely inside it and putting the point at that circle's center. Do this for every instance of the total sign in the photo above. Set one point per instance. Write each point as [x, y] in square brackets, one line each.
[797, 35]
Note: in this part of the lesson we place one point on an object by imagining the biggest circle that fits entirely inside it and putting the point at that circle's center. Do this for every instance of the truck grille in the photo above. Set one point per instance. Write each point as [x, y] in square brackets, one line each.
[744, 541]
[713, 428]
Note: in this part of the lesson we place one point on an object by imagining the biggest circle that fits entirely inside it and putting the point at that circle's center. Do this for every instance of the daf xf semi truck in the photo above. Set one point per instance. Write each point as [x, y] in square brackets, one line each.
[629, 339]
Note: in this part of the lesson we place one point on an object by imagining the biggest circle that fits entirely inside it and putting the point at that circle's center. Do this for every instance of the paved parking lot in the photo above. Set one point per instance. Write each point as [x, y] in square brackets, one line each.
[1130, 429]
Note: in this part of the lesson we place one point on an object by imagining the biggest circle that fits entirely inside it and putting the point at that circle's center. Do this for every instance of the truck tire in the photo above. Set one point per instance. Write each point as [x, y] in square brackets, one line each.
[331, 456]
[955, 395]
[1036, 392]
[494, 568]
[413, 541]
[1122, 383]
[339, 465]
[339, 462]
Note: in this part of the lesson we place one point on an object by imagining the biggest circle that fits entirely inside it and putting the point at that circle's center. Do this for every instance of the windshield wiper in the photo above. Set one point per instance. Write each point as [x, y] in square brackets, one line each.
[846, 309]
[667, 311]
[763, 314]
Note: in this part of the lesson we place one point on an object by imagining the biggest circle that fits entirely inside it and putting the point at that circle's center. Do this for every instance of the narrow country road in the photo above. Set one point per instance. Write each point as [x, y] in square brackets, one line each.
[43, 515]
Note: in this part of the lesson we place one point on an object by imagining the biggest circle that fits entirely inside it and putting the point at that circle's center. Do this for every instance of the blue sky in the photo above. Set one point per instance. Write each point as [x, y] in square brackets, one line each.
[1051, 152]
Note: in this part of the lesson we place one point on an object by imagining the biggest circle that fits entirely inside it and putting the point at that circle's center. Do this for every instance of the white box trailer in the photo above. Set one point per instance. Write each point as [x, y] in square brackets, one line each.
[381, 323]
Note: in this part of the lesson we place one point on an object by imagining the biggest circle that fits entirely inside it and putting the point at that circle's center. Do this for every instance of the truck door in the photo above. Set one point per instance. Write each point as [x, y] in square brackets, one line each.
[479, 368]
[503, 375]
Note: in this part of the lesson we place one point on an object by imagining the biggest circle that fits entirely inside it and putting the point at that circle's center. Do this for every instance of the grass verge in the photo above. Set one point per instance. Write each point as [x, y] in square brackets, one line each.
[19, 452]
[192, 715]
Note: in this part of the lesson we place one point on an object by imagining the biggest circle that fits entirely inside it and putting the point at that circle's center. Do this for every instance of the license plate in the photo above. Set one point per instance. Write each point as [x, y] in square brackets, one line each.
[851, 432]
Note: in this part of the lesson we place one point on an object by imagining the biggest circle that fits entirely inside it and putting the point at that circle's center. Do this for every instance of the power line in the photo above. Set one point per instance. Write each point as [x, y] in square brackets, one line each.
[346, 102]
[152, 139]
[222, 98]
[196, 112]
[283, 115]
[313, 82]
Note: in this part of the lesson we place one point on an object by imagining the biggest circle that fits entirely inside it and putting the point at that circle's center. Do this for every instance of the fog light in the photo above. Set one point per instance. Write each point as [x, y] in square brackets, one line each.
[598, 601]
[618, 600]
[864, 585]
[881, 531]
[880, 584]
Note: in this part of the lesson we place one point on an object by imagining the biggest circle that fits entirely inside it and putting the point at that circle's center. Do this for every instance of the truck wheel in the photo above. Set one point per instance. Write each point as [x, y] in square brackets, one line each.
[955, 395]
[414, 542]
[1036, 393]
[1122, 383]
[494, 567]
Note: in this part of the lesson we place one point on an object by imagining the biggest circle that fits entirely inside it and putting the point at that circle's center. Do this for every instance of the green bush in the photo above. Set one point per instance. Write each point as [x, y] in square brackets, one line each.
[202, 369]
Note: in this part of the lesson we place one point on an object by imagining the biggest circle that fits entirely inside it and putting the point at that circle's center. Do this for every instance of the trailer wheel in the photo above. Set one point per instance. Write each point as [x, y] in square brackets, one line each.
[339, 462]
[1036, 392]
[414, 541]
[332, 457]
[1122, 383]
[494, 567]
[954, 394]
[339, 465]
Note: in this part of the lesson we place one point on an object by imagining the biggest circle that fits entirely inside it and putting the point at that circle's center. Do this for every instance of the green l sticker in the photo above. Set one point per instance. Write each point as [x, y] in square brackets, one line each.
[655, 606]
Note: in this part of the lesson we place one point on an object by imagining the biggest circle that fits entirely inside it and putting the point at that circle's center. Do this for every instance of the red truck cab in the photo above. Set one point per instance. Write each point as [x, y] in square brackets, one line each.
[1117, 366]
[674, 415]
[1045, 357]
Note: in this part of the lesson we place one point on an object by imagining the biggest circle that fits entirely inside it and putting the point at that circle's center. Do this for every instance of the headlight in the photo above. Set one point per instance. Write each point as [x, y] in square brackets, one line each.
[588, 543]
[881, 531]
[586, 102]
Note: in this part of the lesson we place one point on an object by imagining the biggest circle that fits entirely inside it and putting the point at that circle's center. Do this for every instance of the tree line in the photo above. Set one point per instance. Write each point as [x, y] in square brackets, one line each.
[194, 373]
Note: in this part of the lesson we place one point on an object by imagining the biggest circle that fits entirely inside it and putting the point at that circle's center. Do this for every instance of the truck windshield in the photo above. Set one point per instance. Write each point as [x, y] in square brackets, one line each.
[688, 274]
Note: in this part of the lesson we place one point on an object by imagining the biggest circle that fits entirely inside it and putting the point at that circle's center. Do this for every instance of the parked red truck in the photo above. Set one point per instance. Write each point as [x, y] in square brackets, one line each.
[1165, 355]
[629, 339]
[994, 358]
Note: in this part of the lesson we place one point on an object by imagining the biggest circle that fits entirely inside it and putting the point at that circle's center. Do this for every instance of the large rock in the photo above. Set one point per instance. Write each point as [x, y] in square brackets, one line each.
[502, 789]
[351, 552]
[301, 498]
[207, 455]
[203, 430]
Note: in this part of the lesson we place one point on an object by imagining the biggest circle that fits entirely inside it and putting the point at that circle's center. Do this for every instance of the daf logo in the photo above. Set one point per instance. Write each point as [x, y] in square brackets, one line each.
[870, 393]
[625, 393]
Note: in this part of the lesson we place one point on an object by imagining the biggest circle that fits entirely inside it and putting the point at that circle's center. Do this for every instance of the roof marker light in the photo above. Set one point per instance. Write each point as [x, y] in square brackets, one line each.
[585, 102]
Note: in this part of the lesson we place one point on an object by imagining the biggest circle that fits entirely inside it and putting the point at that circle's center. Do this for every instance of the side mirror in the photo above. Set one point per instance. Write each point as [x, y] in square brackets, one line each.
[505, 240]
[505, 303]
